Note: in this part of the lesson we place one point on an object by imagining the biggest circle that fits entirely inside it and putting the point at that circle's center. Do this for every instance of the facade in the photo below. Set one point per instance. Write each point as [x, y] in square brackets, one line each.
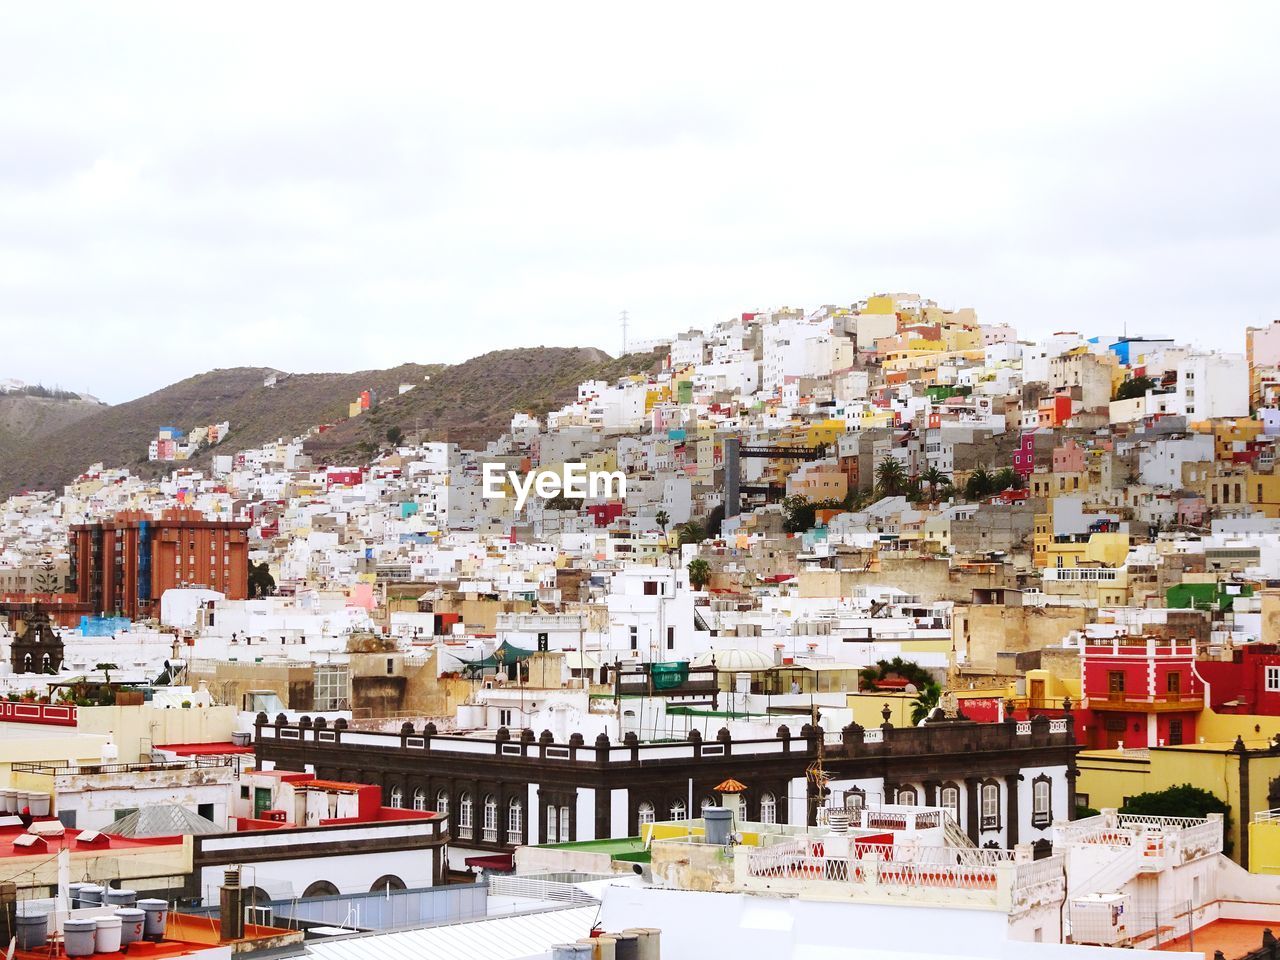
[506, 790]
[123, 566]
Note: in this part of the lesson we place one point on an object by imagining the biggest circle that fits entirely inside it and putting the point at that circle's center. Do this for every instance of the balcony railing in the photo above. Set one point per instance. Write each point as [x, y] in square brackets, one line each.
[60, 768]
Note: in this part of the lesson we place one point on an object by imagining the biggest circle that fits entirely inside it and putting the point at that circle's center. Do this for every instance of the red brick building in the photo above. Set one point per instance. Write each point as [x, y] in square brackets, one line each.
[123, 566]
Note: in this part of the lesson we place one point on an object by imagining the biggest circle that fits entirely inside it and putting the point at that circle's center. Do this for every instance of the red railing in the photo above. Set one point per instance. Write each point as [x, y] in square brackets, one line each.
[55, 714]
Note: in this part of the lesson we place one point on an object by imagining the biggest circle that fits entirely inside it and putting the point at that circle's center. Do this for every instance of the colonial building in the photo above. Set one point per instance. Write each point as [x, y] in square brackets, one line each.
[1004, 783]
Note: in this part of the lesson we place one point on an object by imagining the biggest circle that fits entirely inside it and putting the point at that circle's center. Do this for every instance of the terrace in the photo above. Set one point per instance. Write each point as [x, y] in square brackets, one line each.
[1159, 842]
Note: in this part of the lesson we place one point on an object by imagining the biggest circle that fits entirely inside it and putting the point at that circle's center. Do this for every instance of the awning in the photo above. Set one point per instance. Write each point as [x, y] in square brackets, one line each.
[504, 656]
[499, 862]
[580, 660]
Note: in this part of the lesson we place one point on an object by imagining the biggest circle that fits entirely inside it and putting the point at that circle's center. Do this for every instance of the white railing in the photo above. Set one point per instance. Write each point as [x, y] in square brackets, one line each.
[1059, 725]
[1202, 840]
[1081, 574]
[873, 735]
[1266, 816]
[882, 864]
[1134, 821]
[536, 888]
[1036, 873]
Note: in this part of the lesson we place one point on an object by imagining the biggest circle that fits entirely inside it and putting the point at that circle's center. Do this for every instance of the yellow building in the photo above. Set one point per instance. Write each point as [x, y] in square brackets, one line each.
[1263, 493]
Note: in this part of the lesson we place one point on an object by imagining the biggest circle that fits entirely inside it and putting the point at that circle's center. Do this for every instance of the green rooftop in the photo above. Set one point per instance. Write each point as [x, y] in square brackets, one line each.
[630, 849]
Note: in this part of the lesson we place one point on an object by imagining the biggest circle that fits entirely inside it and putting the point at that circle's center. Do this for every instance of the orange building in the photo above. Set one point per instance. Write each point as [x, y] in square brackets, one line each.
[124, 565]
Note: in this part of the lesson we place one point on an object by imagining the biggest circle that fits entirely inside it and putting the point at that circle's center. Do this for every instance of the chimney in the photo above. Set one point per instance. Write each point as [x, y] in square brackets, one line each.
[232, 907]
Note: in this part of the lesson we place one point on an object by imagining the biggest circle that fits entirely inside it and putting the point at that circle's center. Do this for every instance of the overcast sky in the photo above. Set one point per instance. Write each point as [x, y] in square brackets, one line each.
[188, 187]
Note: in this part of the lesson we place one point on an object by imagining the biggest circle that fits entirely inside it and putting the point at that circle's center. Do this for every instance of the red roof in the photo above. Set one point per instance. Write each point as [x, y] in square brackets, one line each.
[203, 749]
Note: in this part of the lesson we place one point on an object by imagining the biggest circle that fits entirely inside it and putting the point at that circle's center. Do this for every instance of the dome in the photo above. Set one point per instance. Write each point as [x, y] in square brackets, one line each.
[733, 660]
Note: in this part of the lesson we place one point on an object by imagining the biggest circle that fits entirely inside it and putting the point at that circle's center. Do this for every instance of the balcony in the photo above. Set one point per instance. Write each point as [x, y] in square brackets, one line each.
[1120, 702]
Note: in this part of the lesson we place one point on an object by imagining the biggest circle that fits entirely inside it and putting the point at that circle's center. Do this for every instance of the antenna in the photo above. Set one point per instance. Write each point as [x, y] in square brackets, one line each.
[624, 333]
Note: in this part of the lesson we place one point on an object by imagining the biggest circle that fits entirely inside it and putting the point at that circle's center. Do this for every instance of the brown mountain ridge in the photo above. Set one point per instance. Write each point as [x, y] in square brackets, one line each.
[468, 403]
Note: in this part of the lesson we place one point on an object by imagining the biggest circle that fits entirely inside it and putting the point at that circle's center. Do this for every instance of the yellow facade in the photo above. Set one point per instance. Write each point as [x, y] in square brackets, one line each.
[880, 305]
[1263, 493]
[824, 432]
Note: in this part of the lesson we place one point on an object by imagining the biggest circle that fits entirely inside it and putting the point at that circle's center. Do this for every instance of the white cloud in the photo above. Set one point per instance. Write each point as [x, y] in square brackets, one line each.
[315, 187]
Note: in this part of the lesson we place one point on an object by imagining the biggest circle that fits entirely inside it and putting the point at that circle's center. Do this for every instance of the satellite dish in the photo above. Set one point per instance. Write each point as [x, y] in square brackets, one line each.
[911, 689]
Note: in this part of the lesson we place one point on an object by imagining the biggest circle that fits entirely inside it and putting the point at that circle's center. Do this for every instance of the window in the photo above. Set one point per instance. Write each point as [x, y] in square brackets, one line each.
[565, 836]
[1115, 682]
[1173, 683]
[552, 820]
[464, 815]
[1175, 733]
[244, 792]
[420, 799]
[768, 808]
[1273, 679]
[1041, 792]
[331, 683]
[905, 796]
[504, 718]
[949, 799]
[490, 819]
[391, 666]
[1082, 799]
[442, 803]
[515, 822]
[633, 637]
[644, 812]
[679, 811]
[397, 797]
[671, 638]
[651, 588]
[990, 806]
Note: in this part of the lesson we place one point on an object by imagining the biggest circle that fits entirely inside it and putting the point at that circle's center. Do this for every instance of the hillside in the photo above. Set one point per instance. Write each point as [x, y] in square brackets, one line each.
[475, 399]
[472, 402]
[25, 418]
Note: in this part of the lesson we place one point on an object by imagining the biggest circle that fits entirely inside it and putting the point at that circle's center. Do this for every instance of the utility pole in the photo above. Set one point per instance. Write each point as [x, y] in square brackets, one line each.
[624, 333]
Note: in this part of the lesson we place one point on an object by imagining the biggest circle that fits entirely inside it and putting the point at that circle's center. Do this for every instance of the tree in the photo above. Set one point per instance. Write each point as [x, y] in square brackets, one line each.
[891, 477]
[662, 520]
[798, 514]
[1006, 478]
[979, 484]
[715, 520]
[691, 532]
[908, 670]
[928, 697]
[934, 479]
[395, 436]
[699, 573]
[1133, 388]
[261, 583]
[47, 579]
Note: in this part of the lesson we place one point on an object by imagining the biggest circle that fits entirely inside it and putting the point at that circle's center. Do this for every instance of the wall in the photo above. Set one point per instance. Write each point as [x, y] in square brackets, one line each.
[135, 730]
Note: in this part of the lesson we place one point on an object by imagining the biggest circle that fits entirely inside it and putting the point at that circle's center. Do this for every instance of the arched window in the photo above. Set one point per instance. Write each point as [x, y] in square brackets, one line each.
[420, 799]
[906, 796]
[552, 820]
[949, 799]
[397, 797]
[490, 818]
[768, 808]
[1041, 801]
[679, 811]
[644, 812]
[990, 806]
[515, 822]
[464, 815]
[706, 802]
[320, 888]
[442, 803]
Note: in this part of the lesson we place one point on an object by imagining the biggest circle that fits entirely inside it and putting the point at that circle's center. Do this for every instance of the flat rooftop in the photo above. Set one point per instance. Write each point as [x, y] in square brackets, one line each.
[1234, 938]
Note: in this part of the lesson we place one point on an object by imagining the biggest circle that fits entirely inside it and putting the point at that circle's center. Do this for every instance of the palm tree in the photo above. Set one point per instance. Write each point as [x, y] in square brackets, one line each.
[926, 699]
[891, 477]
[934, 478]
[699, 573]
[691, 532]
[1006, 479]
[979, 484]
[662, 520]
